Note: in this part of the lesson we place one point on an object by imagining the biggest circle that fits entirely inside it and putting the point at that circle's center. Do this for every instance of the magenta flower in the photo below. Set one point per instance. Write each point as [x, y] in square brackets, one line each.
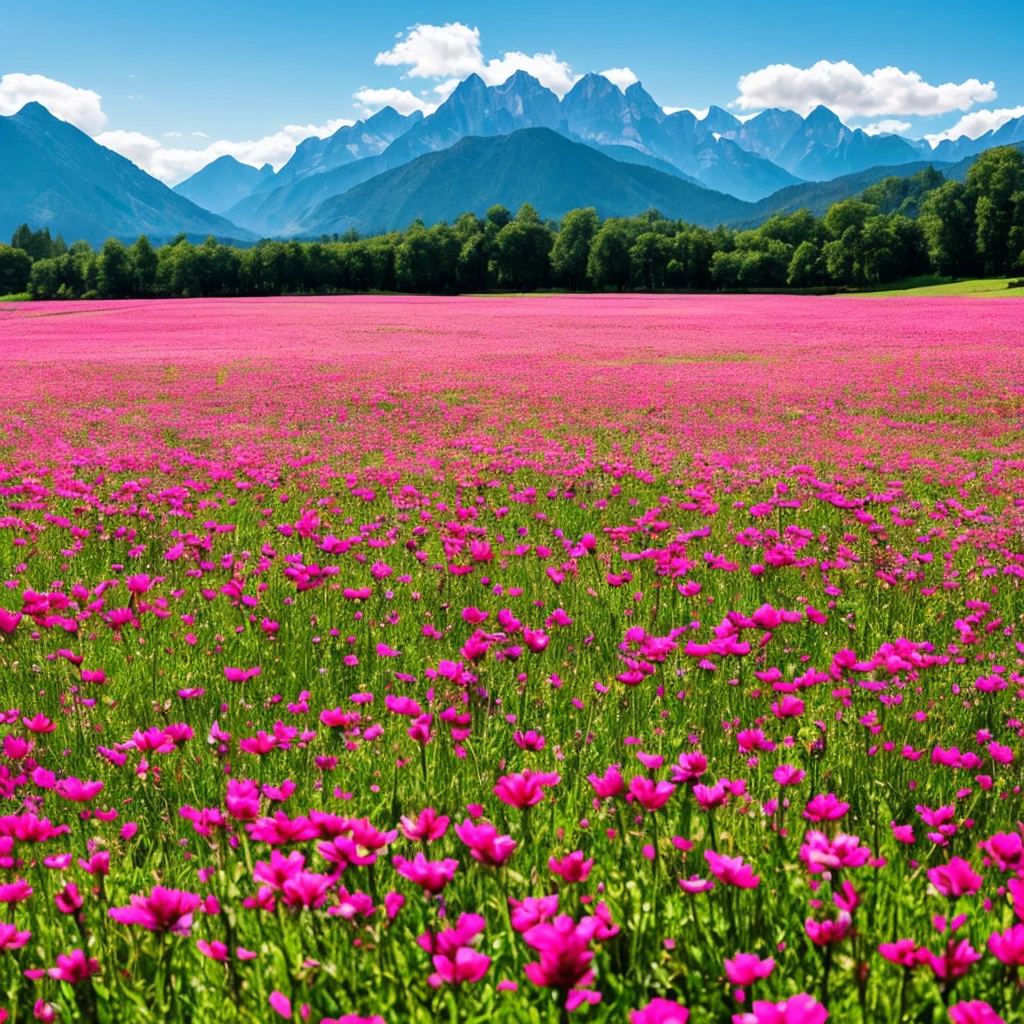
[660, 1011]
[162, 910]
[428, 827]
[484, 842]
[74, 967]
[801, 1009]
[974, 1012]
[650, 795]
[572, 867]
[731, 870]
[1008, 946]
[957, 878]
[430, 876]
[746, 968]
[525, 789]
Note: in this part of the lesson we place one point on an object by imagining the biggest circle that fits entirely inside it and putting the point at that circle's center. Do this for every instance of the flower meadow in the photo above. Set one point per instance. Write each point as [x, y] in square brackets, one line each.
[616, 659]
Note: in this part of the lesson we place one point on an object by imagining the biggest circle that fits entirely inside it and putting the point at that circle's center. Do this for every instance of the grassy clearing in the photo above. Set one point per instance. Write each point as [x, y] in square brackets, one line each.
[17, 297]
[995, 287]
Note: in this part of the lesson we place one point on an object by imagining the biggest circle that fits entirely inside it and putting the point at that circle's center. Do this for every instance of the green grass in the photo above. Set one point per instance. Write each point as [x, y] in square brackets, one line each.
[17, 297]
[995, 287]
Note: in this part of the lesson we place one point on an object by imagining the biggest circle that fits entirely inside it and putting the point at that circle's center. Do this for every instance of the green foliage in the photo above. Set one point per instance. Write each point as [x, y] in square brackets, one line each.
[15, 268]
[895, 229]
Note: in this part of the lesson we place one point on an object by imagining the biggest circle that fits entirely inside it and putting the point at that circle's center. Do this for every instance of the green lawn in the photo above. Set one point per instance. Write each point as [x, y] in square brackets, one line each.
[22, 297]
[995, 287]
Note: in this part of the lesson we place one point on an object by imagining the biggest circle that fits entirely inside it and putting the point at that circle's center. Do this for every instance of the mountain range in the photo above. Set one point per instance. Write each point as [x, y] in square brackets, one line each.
[52, 174]
[601, 146]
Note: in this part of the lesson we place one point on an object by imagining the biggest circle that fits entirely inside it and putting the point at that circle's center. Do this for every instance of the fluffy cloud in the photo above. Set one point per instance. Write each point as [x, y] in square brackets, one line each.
[452, 51]
[622, 77]
[171, 164]
[80, 107]
[849, 92]
[976, 124]
[404, 101]
[890, 126]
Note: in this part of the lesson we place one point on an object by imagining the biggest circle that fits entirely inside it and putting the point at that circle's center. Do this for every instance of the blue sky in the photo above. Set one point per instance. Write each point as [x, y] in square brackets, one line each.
[174, 85]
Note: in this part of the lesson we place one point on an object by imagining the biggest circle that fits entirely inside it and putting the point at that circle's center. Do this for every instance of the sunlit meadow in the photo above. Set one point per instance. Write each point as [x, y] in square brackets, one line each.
[626, 659]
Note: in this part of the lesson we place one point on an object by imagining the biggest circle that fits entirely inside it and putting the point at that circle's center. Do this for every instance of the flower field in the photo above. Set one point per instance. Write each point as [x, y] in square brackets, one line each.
[628, 659]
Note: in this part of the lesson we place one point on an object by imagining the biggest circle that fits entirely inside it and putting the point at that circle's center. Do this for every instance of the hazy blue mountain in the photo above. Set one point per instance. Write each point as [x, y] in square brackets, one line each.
[958, 171]
[823, 148]
[283, 211]
[480, 110]
[956, 149]
[223, 183]
[536, 166]
[53, 175]
[722, 165]
[347, 145]
[719, 121]
[597, 111]
[767, 133]
[818, 196]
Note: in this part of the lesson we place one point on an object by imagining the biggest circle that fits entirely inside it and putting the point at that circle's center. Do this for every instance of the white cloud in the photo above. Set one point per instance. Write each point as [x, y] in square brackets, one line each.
[849, 92]
[404, 101]
[977, 123]
[622, 77]
[452, 51]
[172, 165]
[199, 135]
[172, 135]
[80, 107]
[436, 51]
[889, 126]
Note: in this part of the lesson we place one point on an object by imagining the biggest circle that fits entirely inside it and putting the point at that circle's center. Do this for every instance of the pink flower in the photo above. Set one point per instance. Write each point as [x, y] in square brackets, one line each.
[731, 870]
[650, 795]
[11, 938]
[572, 867]
[974, 1012]
[660, 1011]
[77, 791]
[1008, 946]
[430, 876]
[608, 785]
[467, 965]
[746, 968]
[428, 827]
[526, 788]
[825, 807]
[213, 950]
[957, 878]
[74, 967]
[484, 842]
[162, 910]
[801, 1009]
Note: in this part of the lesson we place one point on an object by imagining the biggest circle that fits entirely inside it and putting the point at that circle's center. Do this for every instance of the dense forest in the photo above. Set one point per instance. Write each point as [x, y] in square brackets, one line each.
[898, 228]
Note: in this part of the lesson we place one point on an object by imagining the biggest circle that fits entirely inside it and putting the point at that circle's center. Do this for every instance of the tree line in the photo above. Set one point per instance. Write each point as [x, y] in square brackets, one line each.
[898, 228]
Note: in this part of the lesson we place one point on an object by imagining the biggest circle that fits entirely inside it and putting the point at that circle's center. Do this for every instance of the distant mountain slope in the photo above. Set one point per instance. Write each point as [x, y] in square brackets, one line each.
[823, 148]
[958, 171]
[53, 175]
[818, 196]
[347, 145]
[223, 183]
[536, 166]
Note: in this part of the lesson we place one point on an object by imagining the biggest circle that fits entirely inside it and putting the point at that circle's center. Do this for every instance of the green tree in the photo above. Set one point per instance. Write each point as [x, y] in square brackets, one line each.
[996, 181]
[144, 260]
[571, 249]
[15, 268]
[807, 268]
[608, 265]
[947, 220]
[648, 261]
[116, 272]
[523, 256]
